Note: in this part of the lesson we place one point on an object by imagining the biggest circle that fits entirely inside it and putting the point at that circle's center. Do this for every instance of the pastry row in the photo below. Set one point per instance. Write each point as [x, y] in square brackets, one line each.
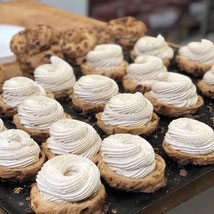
[126, 162]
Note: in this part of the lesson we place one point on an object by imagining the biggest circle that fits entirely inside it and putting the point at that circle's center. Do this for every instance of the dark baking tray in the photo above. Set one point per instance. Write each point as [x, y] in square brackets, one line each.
[121, 202]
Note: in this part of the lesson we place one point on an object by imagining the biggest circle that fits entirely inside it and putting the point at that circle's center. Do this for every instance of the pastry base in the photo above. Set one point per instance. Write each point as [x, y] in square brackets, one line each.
[8, 111]
[207, 90]
[191, 67]
[86, 108]
[116, 74]
[130, 86]
[145, 130]
[184, 158]
[38, 135]
[173, 111]
[23, 174]
[150, 183]
[95, 204]
[2, 76]
[50, 154]
[62, 94]
[133, 56]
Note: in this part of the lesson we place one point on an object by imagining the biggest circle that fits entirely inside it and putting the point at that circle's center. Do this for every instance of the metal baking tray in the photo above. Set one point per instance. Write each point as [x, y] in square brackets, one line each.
[183, 181]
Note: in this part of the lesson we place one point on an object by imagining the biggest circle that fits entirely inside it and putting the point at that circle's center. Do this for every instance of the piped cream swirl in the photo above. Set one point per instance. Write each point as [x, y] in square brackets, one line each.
[176, 89]
[2, 127]
[95, 88]
[17, 89]
[57, 76]
[75, 137]
[146, 69]
[17, 149]
[127, 110]
[202, 52]
[39, 112]
[128, 155]
[209, 77]
[105, 57]
[153, 46]
[190, 136]
[68, 178]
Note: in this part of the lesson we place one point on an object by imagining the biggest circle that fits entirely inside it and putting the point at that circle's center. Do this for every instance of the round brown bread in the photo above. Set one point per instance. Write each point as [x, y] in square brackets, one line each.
[207, 90]
[145, 130]
[86, 108]
[50, 154]
[173, 111]
[32, 40]
[8, 111]
[116, 74]
[130, 86]
[38, 135]
[148, 184]
[184, 158]
[134, 55]
[194, 68]
[22, 174]
[95, 204]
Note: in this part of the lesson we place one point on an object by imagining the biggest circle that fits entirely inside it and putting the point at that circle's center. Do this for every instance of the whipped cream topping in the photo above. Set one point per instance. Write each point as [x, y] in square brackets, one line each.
[17, 89]
[153, 46]
[209, 77]
[17, 149]
[127, 110]
[190, 136]
[176, 89]
[57, 76]
[2, 127]
[202, 52]
[128, 155]
[73, 136]
[68, 178]
[105, 57]
[39, 112]
[95, 88]
[145, 69]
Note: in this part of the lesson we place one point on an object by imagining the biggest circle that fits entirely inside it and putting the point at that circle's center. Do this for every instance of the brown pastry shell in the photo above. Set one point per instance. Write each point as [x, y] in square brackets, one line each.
[173, 111]
[207, 90]
[184, 158]
[25, 173]
[148, 184]
[37, 135]
[145, 130]
[50, 154]
[130, 86]
[95, 204]
[194, 68]
[86, 108]
[8, 111]
[116, 74]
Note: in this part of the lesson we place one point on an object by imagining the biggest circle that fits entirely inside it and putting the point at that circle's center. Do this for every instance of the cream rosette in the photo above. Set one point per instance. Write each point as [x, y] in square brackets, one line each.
[2, 127]
[127, 110]
[153, 46]
[202, 52]
[68, 178]
[95, 88]
[57, 76]
[190, 136]
[209, 77]
[177, 90]
[17, 149]
[105, 57]
[128, 155]
[145, 69]
[17, 89]
[75, 137]
[39, 112]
